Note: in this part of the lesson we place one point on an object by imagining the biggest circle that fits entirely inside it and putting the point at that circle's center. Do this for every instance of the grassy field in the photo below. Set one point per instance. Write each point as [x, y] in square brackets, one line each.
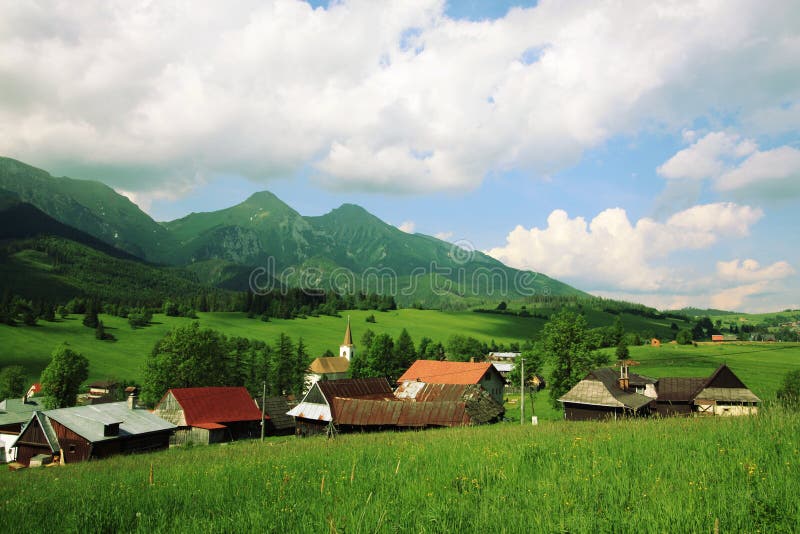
[673, 475]
[124, 358]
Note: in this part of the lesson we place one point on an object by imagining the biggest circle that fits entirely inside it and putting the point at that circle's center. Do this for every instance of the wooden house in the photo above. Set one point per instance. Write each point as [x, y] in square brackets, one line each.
[608, 394]
[210, 414]
[102, 391]
[81, 433]
[443, 372]
[14, 413]
[278, 423]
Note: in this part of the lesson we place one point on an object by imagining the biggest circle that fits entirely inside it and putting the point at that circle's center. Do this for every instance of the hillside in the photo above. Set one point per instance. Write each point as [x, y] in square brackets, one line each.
[657, 475]
[89, 206]
[348, 248]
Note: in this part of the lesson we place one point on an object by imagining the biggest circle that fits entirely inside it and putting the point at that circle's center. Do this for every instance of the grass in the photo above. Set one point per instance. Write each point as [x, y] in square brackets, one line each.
[658, 475]
[124, 358]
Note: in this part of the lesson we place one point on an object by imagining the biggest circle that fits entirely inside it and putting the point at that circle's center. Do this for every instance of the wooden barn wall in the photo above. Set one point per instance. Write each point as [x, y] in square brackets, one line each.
[675, 408]
[31, 442]
[74, 448]
[169, 410]
[583, 412]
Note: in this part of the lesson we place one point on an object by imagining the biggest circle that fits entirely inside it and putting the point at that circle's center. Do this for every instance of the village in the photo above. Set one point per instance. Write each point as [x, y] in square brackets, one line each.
[429, 394]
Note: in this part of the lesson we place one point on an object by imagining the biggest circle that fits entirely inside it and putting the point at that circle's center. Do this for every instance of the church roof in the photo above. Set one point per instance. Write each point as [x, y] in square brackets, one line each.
[328, 365]
[348, 337]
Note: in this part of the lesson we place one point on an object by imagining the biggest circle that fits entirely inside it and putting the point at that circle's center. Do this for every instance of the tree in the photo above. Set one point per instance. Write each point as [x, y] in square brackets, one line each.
[12, 382]
[283, 366]
[404, 353]
[622, 350]
[502, 306]
[187, 356]
[684, 337]
[379, 360]
[62, 312]
[62, 378]
[298, 384]
[90, 318]
[789, 392]
[100, 331]
[564, 345]
[463, 348]
[617, 332]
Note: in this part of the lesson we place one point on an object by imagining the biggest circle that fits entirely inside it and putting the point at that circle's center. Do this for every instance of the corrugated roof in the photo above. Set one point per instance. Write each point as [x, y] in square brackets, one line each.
[600, 388]
[216, 405]
[375, 388]
[89, 421]
[678, 389]
[14, 411]
[311, 410]
[367, 412]
[443, 372]
[503, 367]
[210, 426]
[329, 365]
[727, 395]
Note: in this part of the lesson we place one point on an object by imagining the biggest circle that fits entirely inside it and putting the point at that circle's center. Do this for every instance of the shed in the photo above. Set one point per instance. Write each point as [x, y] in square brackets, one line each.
[14, 413]
[88, 432]
[210, 414]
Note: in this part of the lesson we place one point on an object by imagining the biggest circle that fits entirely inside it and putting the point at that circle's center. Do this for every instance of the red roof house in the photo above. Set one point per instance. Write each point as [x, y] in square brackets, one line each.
[717, 338]
[443, 372]
[210, 414]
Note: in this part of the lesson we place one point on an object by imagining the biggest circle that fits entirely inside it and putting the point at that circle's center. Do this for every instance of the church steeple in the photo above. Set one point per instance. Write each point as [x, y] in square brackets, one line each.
[346, 348]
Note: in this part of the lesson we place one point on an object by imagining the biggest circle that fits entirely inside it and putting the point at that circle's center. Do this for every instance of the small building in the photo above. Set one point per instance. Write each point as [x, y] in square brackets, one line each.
[443, 372]
[102, 391]
[332, 367]
[81, 433]
[724, 394]
[717, 338]
[655, 342]
[503, 368]
[210, 414]
[503, 356]
[34, 390]
[607, 394]
[279, 423]
[14, 413]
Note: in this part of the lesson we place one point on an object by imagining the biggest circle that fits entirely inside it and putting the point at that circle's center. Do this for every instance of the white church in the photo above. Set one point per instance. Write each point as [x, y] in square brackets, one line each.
[332, 367]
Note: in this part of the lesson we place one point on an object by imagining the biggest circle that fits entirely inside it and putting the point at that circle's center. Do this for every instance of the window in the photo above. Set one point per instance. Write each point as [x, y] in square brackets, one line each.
[72, 448]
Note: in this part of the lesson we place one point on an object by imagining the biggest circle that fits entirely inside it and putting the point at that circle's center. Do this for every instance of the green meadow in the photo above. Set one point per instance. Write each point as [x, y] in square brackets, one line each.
[656, 475]
[124, 358]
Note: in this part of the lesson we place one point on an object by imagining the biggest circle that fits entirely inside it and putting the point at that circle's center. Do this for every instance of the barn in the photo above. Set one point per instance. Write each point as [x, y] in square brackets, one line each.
[81, 433]
[210, 414]
[441, 372]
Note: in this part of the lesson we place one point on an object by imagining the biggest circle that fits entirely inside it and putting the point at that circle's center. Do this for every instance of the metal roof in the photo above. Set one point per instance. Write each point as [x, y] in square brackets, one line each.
[366, 412]
[276, 408]
[215, 404]
[89, 421]
[503, 367]
[375, 388]
[678, 389]
[311, 410]
[14, 411]
[329, 365]
[442, 372]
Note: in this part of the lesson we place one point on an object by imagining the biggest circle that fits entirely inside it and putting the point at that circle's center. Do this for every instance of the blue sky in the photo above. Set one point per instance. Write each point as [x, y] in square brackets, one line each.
[648, 152]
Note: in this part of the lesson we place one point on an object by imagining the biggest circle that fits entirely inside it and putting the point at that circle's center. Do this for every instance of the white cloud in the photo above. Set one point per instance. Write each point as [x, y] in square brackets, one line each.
[610, 252]
[390, 96]
[444, 236]
[750, 270]
[407, 227]
[736, 165]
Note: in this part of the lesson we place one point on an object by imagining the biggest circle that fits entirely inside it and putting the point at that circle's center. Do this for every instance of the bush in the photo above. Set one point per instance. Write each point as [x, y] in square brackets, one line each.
[789, 392]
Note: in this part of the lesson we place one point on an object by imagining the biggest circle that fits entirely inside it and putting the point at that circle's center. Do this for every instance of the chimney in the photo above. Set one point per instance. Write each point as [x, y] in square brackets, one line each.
[25, 398]
[132, 401]
[623, 376]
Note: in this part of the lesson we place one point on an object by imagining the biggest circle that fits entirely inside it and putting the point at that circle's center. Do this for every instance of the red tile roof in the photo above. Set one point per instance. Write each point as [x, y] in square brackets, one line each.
[436, 372]
[216, 405]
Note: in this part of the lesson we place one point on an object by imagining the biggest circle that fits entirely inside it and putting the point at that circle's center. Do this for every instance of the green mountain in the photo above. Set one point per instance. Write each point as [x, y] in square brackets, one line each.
[89, 206]
[347, 249]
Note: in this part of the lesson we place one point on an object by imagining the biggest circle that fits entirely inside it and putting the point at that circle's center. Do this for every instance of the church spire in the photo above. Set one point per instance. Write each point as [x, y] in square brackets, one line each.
[348, 338]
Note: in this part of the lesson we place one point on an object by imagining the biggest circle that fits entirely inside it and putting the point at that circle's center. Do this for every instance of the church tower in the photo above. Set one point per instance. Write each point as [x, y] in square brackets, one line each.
[346, 348]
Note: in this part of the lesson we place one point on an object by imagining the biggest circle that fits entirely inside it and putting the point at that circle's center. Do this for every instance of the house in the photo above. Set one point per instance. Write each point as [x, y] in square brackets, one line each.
[34, 390]
[210, 414]
[608, 394]
[14, 413]
[314, 414]
[279, 422]
[604, 394]
[69, 435]
[717, 338]
[102, 391]
[655, 342]
[443, 372]
[369, 404]
[332, 367]
[503, 368]
[503, 356]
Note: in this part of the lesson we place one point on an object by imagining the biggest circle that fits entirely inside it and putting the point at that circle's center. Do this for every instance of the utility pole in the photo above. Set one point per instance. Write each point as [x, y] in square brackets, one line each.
[522, 391]
[263, 408]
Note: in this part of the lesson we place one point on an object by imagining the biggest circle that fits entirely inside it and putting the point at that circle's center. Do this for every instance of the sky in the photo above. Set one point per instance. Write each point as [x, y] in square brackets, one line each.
[636, 150]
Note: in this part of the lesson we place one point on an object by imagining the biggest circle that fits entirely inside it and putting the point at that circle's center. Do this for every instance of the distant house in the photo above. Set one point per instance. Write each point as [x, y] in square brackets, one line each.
[503, 368]
[443, 372]
[81, 433]
[370, 404]
[608, 394]
[655, 342]
[102, 391]
[14, 413]
[503, 356]
[332, 367]
[210, 414]
[34, 390]
[605, 393]
[717, 338]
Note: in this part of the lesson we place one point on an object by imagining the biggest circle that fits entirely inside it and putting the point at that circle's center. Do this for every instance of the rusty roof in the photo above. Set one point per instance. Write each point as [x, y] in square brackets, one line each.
[215, 404]
[367, 412]
[374, 388]
[329, 365]
[443, 372]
